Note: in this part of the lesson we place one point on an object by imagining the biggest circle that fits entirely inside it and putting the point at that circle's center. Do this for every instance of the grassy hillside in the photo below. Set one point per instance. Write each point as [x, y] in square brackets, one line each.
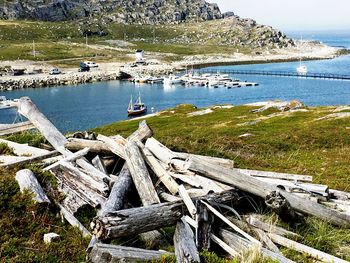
[296, 142]
[62, 40]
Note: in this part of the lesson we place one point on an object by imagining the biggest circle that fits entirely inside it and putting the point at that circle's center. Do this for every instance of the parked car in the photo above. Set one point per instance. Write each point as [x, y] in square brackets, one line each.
[84, 67]
[55, 71]
[91, 64]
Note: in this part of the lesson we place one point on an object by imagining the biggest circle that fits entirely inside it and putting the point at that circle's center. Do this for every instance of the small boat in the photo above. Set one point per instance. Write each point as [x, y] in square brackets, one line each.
[302, 69]
[172, 80]
[153, 80]
[136, 108]
[5, 103]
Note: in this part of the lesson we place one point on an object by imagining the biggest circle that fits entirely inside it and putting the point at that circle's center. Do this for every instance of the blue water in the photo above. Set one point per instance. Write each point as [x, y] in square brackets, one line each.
[82, 107]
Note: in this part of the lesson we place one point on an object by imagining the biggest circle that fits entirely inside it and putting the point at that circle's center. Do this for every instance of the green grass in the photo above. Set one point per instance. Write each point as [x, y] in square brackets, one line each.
[293, 143]
[6, 150]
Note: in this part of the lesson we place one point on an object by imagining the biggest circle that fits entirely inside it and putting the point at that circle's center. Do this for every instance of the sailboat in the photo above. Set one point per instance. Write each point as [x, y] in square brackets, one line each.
[137, 107]
[302, 69]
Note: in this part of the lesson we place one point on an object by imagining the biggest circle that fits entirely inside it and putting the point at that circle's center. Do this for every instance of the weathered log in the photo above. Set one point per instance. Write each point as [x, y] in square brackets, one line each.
[241, 244]
[73, 221]
[72, 201]
[142, 133]
[28, 109]
[116, 146]
[31, 159]
[104, 253]
[140, 175]
[168, 198]
[159, 150]
[158, 169]
[99, 147]
[138, 220]
[27, 181]
[214, 160]
[185, 247]
[97, 162]
[254, 186]
[116, 199]
[233, 252]
[70, 158]
[317, 254]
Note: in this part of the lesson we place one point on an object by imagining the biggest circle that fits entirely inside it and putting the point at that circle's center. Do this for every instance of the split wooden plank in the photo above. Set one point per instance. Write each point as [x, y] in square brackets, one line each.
[133, 221]
[185, 247]
[73, 221]
[24, 161]
[204, 221]
[254, 186]
[104, 253]
[269, 228]
[241, 245]
[23, 149]
[232, 225]
[27, 181]
[7, 129]
[168, 197]
[188, 201]
[116, 199]
[142, 133]
[140, 175]
[234, 253]
[317, 254]
[70, 158]
[214, 160]
[158, 169]
[116, 146]
[274, 175]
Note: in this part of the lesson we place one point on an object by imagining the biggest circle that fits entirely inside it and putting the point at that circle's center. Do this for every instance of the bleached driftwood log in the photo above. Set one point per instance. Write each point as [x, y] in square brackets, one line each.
[241, 244]
[214, 160]
[23, 149]
[254, 186]
[28, 109]
[72, 201]
[203, 227]
[104, 253]
[274, 175]
[27, 181]
[317, 254]
[140, 175]
[116, 199]
[116, 145]
[185, 247]
[142, 219]
[74, 144]
[142, 133]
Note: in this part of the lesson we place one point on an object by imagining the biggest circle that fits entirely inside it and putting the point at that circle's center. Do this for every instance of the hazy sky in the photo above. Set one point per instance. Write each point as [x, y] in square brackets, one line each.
[294, 15]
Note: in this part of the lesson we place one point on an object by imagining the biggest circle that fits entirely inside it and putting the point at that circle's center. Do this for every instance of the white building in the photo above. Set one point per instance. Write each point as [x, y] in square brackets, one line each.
[140, 56]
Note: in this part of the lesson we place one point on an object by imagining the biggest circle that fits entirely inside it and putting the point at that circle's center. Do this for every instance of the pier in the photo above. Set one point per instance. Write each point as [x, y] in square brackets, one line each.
[330, 76]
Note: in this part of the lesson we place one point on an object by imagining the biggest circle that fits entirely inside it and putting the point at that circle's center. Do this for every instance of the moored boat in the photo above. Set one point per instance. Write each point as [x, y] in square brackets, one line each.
[137, 107]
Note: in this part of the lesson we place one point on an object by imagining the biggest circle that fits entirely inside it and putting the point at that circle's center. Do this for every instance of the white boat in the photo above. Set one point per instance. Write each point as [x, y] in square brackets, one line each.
[155, 80]
[172, 80]
[5, 103]
[302, 69]
[142, 79]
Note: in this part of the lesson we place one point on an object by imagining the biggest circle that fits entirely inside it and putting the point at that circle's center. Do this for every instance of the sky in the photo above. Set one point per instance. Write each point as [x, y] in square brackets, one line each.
[293, 15]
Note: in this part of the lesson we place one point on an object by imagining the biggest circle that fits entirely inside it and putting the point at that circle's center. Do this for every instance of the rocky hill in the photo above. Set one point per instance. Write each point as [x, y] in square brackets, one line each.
[121, 11]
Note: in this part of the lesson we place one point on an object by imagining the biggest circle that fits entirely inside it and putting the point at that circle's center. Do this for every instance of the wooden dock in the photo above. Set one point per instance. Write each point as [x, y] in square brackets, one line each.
[330, 76]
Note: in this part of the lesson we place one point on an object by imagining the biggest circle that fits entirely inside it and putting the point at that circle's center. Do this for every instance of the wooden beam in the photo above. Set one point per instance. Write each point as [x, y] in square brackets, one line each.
[7, 129]
[187, 201]
[32, 159]
[70, 158]
[74, 222]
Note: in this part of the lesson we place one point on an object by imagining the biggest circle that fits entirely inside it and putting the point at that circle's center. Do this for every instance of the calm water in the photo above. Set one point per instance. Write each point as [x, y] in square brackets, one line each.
[82, 107]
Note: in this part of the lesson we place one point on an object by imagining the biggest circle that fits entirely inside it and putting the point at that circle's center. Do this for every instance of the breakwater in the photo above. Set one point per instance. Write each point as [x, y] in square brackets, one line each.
[38, 81]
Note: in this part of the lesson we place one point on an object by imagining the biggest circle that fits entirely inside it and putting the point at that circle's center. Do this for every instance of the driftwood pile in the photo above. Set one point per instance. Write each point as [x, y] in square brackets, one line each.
[139, 186]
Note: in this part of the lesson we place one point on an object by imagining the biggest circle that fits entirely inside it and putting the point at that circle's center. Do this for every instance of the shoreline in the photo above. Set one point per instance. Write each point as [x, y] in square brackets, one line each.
[111, 71]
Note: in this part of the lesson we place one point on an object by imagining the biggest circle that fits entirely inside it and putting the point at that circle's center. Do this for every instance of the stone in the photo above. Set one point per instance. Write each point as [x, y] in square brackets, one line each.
[51, 237]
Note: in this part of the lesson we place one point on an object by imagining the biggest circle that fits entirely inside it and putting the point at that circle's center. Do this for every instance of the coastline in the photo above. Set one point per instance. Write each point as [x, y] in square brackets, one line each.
[111, 71]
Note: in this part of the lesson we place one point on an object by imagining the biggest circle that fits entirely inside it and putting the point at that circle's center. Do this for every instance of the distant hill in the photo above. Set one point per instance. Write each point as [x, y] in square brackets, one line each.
[121, 11]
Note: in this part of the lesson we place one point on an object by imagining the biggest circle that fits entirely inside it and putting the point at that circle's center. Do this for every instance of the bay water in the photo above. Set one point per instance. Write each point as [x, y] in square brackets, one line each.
[82, 107]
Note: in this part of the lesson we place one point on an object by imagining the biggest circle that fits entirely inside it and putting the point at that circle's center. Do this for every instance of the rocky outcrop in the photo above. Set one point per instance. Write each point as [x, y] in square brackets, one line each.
[121, 11]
